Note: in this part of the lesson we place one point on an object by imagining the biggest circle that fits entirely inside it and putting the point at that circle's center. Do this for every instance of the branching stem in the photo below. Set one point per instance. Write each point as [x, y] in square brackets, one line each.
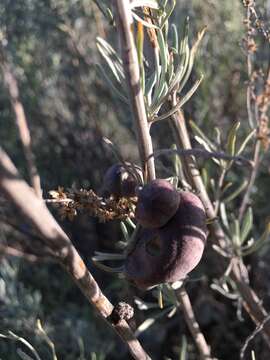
[36, 212]
[132, 74]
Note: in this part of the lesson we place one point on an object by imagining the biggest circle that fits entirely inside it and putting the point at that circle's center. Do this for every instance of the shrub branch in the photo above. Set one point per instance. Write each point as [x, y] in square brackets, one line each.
[239, 274]
[36, 212]
[132, 74]
[144, 140]
[21, 121]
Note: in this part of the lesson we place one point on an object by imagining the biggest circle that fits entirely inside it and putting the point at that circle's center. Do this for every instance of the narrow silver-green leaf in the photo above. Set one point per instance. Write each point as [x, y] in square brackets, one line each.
[163, 52]
[105, 11]
[217, 133]
[226, 187]
[11, 335]
[102, 256]
[247, 224]
[236, 192]
[109, 269]
[170, 69]
[188, 95]
[109, 50]
[111, 84]
[180, 103]
[124, 230]
[150, 83]
[199, 132]
[183, 351]
[181, 68]
[150, 321]
[236, 233]
[261, 242]
[46, 339]
[141, 3]
[232, 138]
[23, 355]
[207, 148]
[184, 37]
[130, 223]
[224, 217]
[246, 141]
[145, 23]
[175, 40]
[112, 59]
[193, 52]
[169, 9]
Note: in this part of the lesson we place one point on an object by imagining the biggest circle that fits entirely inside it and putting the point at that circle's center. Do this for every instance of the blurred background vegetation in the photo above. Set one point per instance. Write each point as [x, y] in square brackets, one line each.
[52, 46]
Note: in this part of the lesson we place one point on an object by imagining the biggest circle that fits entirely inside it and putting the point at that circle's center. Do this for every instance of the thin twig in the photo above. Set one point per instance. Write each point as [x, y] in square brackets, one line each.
[202, 153]
[252, 303]
[251, 111]
[219, 189]
[11, 251]
[253, 175]
[132, 74]
[21, 121]
[252, 336]
[36, 212]
[249, 69]
[193, 325]
[130, 60]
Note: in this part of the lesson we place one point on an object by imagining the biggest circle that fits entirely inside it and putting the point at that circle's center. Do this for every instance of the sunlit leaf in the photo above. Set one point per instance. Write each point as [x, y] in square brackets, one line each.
[145, 23]
[124, 230]
[145, 305]
[168, 10]
[192, 55]
[246, 141]
[112, 58]
[261, 242]
[111, 85]
[23, 355]
[236, 233]
[199, 132]
[232, 138]
[12, 336]
[109, 269]
[150, 83]
[47, 339]
[141, 3]
[140, 42]
[180, 103]
[150, 321]
[175, 40]
[224, 217]
[102, 256]
[183, 351]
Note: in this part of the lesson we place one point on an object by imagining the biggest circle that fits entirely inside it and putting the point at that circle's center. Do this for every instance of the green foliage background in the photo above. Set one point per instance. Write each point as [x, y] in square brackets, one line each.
[52, 44]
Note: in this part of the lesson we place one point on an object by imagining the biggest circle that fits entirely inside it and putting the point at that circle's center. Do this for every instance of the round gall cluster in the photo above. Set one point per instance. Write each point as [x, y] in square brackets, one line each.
[172, 237]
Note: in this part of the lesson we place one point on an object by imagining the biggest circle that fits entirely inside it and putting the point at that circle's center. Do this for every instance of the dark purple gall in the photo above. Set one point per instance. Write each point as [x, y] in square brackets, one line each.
[158, 201]
[169, 253]
[120, 181]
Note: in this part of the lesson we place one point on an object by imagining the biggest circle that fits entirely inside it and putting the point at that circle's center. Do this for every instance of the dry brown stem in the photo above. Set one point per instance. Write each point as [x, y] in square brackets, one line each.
[252, 178]
[193, 325]
[36, 212]
[252, 303]
[11, 251]
[21, 121]
[132, 74]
